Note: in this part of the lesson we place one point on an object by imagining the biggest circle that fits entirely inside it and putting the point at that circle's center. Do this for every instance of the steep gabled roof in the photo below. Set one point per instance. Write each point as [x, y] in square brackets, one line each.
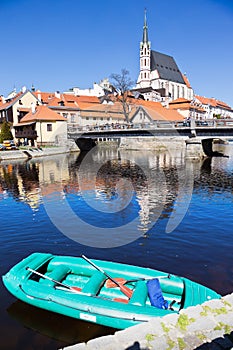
[160, 113]
[7, 104]
[10, 102]
[166, 67]
[187, 83]
[42, 113]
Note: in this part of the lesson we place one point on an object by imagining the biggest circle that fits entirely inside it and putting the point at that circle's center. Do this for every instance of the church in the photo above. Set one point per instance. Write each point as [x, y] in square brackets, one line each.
[160, 79]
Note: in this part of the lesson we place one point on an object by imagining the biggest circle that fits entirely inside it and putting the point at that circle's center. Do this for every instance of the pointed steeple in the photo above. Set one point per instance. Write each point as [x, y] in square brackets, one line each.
[145, 30]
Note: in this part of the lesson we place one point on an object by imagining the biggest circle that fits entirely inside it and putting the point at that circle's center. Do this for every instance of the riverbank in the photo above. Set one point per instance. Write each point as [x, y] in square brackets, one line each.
[29, 153]
[206, 326]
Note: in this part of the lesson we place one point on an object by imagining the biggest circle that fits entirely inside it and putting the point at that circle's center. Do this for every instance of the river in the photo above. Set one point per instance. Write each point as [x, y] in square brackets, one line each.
[156, 210]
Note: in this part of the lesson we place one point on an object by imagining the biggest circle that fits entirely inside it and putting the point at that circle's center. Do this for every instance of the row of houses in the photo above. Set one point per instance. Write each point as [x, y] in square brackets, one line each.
[43, 117]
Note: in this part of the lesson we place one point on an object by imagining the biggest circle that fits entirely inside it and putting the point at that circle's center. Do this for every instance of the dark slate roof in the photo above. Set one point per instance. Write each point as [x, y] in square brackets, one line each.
[166, 66]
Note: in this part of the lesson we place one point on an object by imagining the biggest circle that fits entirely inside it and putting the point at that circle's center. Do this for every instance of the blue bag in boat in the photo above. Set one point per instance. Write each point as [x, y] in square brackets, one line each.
[155, 294]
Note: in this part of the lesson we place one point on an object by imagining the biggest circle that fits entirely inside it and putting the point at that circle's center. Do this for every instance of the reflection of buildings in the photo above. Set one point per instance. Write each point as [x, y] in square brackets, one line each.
[30, 181]
[155, 178]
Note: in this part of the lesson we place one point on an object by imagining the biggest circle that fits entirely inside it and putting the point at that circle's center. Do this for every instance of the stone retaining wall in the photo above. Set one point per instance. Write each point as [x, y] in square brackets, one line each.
[206, 326]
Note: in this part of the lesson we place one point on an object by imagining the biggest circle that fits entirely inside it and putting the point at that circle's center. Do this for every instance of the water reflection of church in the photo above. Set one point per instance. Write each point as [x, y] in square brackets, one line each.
[156, 179]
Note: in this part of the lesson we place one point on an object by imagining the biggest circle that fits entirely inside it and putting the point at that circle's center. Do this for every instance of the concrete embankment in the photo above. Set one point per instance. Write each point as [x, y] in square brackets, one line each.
[33, 153]
[205, 326]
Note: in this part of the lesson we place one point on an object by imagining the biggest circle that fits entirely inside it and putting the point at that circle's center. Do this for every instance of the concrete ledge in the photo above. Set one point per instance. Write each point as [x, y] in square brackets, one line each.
[19, 154]
[33, 153]
[205, 326]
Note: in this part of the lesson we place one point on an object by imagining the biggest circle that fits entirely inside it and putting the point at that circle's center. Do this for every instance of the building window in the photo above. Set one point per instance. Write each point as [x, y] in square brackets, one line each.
[182, 91]
[49, 127]
[173, 91]
[87, 118]
[72, 118]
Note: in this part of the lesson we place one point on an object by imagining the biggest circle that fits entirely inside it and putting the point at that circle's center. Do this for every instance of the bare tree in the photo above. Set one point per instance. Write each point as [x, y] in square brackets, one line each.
[122, 83]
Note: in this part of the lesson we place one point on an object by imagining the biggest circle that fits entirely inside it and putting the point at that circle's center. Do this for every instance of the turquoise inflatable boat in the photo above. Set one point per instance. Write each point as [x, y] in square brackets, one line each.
[103, 292]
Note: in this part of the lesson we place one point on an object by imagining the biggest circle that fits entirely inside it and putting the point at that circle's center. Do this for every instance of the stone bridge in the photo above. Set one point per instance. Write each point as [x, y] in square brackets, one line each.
[199, 140]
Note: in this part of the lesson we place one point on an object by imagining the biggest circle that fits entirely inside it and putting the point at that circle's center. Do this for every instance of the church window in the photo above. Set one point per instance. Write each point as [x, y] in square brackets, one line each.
[145, 51]
[145, 62]
[182, 91]
[178, 91]
[145, 75]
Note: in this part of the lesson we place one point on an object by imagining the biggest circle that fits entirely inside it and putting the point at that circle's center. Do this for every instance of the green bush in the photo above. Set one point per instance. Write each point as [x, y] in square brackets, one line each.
[5, 133]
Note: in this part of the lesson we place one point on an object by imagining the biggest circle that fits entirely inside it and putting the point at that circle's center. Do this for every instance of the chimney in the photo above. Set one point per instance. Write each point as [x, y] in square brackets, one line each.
[57, 94]
[33, 108]
[24, 89]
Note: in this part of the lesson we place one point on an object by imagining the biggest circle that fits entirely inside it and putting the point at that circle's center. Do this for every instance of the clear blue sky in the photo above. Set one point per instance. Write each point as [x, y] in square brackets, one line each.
[58, 44]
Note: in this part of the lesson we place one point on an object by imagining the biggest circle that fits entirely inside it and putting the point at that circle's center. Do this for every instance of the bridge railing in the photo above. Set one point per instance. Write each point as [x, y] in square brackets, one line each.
[77, 128]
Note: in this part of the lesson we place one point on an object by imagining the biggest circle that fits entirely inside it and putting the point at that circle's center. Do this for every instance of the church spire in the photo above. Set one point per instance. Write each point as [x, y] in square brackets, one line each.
[145, 30]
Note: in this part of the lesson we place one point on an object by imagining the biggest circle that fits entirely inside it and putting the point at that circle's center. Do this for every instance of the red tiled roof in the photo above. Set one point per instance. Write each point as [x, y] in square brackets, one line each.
[212, 102]
[164, 114]
[187, 83]
[184, 104]
[66, 100]
[11, 101]
[42, 113]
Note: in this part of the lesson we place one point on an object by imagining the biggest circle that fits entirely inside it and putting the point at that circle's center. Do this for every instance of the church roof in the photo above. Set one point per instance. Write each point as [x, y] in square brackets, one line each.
[166, 67]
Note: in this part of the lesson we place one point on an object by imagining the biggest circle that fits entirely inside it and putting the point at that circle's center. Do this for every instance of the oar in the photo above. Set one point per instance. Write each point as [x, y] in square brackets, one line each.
[121, 280]
[73, 289]
[125, 290]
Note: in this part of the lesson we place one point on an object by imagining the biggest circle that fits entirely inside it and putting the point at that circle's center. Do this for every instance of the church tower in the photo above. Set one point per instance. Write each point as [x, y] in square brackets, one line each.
[145, 58]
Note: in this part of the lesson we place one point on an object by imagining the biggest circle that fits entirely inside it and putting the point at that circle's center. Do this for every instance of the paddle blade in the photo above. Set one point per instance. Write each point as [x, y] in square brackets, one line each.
[110, 284]
[75, 289]
[121, 300]
[128, 292]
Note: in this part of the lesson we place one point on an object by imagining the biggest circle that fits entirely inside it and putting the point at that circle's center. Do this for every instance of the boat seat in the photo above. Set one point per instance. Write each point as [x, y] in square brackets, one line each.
[58, 274]
[140, 294]
[95, 282]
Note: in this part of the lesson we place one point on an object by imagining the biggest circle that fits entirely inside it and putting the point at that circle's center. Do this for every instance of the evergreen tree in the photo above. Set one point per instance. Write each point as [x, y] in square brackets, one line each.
[5, 133]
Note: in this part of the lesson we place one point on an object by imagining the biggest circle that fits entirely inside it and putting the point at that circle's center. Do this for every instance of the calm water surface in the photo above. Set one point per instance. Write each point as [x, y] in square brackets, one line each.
[143, 208]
